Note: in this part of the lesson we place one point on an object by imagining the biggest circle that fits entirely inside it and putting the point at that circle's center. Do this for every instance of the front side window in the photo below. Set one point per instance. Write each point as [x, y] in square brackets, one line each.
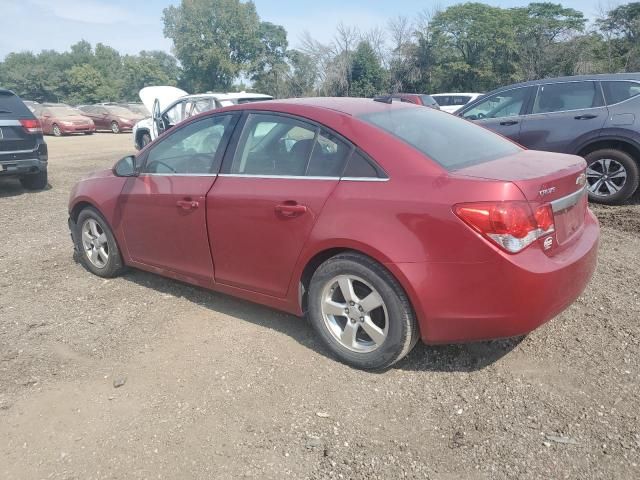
[448, 140]
[283, 146]
[175, 114]
[619, 91]
[508, 103]
[558, 97]
[194, 149]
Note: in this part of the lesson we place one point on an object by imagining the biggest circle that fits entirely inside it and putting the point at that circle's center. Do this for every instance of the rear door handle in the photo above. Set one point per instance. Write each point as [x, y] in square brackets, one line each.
[585, 117]
[509, 122]
[290, 209]
[187, 204]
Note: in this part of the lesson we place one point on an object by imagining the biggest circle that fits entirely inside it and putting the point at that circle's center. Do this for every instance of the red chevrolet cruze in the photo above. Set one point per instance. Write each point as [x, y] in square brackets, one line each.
[385, 223]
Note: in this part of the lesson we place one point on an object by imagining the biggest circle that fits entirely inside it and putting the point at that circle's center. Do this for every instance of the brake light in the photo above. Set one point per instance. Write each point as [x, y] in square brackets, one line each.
[511, 225]
[31, 125]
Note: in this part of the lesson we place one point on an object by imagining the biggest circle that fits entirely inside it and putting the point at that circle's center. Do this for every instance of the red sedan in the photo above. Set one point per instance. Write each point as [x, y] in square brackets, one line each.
[384, 223]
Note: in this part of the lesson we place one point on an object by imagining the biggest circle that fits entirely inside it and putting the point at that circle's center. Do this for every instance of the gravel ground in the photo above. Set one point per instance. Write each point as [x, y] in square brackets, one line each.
[216, 387]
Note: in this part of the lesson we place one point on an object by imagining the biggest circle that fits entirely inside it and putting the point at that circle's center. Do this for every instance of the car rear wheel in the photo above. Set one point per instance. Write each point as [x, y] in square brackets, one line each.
[37, 181]
[115, 128]
[360, 312]
[55, 129]
[612, 176]
[96, 245]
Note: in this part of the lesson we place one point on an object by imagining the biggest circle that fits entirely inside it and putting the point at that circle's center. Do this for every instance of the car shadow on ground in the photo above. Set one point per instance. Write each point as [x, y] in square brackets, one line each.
[442, 358]
[11, 187]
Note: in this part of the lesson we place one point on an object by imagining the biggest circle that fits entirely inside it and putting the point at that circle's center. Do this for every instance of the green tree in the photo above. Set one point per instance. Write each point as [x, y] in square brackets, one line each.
[85, 83]
[269, 69]
[541, 29]
[367, 75]
[214, 40]
[621, 26]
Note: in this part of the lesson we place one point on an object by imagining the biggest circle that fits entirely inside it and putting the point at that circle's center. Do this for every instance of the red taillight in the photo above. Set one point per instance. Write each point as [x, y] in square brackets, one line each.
[512, 225]
[31, 125]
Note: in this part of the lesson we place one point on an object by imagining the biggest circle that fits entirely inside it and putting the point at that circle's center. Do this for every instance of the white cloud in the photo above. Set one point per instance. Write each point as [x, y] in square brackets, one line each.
[86, 11]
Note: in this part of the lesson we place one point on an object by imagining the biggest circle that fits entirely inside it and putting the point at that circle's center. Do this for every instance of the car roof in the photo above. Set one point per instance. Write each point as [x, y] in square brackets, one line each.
[344, 105]
[574, 78]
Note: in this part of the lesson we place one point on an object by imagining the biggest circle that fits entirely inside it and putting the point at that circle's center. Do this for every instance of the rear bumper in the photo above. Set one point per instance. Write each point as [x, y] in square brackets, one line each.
[22, 167]
[463, 302]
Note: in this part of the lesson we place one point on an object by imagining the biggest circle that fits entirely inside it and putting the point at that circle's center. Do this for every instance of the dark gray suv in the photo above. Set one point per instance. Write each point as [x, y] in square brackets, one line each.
[23, 152]
[595, 116]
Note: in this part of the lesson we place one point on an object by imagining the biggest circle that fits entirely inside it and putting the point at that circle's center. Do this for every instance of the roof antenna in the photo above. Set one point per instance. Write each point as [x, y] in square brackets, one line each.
[388, 99]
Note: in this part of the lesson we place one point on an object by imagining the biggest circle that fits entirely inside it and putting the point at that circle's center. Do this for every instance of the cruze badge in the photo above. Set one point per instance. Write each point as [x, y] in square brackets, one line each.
[582, 179]
[547, 191]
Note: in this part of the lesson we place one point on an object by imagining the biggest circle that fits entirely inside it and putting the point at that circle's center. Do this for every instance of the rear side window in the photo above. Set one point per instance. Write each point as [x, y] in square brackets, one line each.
[559, 97]
[448, 140]
[12, 107]
[619, 91]
[360, 167]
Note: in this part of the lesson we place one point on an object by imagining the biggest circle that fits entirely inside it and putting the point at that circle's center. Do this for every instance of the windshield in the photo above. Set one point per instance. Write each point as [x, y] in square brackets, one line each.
[446, 139]
[64, 112]
[121, 111]
[139, 109]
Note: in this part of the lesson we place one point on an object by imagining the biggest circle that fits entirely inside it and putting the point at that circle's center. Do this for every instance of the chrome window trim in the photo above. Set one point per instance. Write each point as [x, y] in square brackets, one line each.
[302, 177]
[535, 99]
[569, 201]
[9, 123]
[149, 174]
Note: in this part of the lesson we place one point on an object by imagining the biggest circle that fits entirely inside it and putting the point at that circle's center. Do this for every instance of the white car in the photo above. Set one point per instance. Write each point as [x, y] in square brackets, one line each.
[170, 105]
[452, 102]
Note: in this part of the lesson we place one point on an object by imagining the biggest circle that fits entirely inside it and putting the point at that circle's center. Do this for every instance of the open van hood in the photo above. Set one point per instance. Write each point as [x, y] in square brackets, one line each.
[165, 95]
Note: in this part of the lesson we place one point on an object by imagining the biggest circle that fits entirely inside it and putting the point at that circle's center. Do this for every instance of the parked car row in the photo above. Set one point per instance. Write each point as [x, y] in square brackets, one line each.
[61, 119]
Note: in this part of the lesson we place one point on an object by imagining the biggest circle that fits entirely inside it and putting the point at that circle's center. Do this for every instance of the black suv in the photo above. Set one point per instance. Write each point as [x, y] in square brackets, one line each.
[595, 116]
[23, 152]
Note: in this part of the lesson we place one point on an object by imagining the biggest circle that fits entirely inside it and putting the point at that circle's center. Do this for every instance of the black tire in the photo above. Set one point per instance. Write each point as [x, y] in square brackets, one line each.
[114, 265]
[88, 133]
[627, 162]
[55, 130]
[145, 140]
[402, 332]
[115, 128]
[37, 181]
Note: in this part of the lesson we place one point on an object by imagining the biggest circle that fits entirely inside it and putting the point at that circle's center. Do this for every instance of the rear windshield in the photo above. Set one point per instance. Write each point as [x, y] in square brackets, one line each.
[12, 107]
[448, 140]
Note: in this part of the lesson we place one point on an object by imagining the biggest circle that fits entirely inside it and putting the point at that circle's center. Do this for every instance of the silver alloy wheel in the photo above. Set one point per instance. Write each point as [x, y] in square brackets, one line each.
[94, 242]
[354, 313]
[115, 128]
[56, 131]
[606, 177]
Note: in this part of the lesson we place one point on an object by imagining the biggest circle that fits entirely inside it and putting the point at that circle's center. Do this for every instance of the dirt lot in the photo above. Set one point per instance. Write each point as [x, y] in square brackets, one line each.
[221, 388]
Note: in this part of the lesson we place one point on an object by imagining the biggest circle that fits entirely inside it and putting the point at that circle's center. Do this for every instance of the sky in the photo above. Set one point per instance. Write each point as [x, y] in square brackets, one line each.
[130, 26]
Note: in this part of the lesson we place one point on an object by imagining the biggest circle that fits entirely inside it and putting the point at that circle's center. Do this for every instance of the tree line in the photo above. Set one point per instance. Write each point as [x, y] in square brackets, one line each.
[222, 45]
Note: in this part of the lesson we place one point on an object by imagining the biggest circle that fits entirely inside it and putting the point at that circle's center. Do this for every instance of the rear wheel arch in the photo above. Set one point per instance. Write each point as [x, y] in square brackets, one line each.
[322, 256]
[630, 148]
[139, 134]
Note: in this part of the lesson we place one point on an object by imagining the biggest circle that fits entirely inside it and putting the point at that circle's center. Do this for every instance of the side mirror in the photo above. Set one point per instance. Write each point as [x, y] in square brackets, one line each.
[126, 167]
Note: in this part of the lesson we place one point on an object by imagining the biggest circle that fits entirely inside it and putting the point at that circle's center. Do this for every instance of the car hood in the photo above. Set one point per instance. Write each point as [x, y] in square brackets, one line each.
[165, 95]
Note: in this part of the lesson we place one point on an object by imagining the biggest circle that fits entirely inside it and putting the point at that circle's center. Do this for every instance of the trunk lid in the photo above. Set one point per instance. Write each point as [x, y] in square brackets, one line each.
[543, 177]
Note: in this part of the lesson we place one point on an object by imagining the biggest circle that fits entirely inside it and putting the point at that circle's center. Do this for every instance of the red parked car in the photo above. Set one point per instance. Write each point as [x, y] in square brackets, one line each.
[59, 119]
[372, 218]
[111, 117]
[417, 98]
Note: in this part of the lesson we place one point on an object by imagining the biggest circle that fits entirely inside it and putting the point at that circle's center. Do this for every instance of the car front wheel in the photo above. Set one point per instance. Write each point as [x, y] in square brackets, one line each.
[56, 130]
[115, 128]
[361, 312]
[96, 245]
[612, 176]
